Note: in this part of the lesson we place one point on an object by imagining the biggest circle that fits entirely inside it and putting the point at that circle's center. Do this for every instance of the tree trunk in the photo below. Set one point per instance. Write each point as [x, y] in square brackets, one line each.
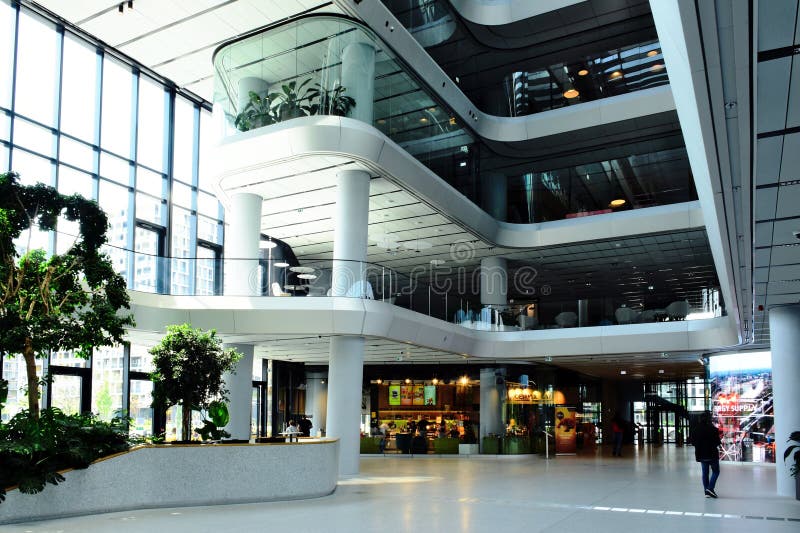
[186, 421]
[33, 379]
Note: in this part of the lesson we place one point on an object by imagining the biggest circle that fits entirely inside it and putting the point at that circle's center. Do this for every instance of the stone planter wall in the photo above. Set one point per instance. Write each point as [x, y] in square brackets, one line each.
[184, 475]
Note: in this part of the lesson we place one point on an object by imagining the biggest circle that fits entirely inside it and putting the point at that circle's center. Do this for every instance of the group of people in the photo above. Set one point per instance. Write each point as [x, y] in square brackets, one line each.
[302, 427]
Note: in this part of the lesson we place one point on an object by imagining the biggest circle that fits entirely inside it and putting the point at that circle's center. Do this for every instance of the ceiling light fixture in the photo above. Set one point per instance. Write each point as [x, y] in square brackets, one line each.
[652, 53]
[408, 380]
[282, 264]
[571, 93]
[617, 202]
[435, 381]
[616, 74]
[379, 381]
[267, 245]
[583, 72]
[657, 67]
[623, 372]
[660, 370]
[423, 120]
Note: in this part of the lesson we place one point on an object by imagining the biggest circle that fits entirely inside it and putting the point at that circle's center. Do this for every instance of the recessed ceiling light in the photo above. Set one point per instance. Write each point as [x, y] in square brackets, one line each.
[657, 67]
[616, 74]
[381, 121]
[583, 72]
[623, 372]
[571, 93]
[660, 370]
[282, 264]
[379, 381]
[617, 202]
[652, 53]
[650, 287]
[408, 380]
[423, 120]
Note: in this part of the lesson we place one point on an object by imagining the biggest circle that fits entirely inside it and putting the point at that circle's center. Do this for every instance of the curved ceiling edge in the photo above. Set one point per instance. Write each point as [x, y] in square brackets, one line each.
[386, 27]
[350, 316]
[241, 159]
[502, 12]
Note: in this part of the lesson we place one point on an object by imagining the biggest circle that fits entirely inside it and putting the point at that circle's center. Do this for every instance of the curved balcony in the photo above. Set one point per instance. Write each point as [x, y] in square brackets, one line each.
[331, 65]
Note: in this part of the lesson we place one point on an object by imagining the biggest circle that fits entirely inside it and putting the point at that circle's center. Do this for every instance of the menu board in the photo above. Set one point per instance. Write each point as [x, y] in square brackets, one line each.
[419, 395]
[394, 394]
[565, 430]
[406, 394]
[430, 394]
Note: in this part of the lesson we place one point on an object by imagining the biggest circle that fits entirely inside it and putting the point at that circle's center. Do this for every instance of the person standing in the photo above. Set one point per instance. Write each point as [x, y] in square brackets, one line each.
[616, 429]
[706, 452]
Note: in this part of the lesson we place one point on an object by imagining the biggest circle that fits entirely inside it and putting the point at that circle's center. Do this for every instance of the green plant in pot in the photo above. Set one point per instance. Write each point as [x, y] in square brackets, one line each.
[256, 113]
[293, 101]
[219, 417]
[794, 451]
[330, 101]
[189, 366]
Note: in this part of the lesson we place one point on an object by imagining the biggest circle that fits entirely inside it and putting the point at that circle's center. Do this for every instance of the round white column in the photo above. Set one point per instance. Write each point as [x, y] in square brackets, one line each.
[346, 362]
[491, 402]
[345, 375]
[248, 85]
[494, 281]
[240, 393]
[317, 401]
[241, 245]
[784, 334]
[495, 197]
[358, 79]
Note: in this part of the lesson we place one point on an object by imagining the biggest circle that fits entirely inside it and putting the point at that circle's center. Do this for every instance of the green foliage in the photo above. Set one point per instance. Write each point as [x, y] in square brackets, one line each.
[189, 364]
[293, 101]
[34, 450]
[3, 392]
[67, 301]
[793, 437]
[104, 402]
[218, 413]
[257, 113]
[330, 101]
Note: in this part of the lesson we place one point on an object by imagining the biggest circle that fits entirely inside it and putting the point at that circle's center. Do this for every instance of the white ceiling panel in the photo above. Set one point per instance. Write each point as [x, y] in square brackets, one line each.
[779, 16]
[790, 160]
[769, 159]
[765, 203]
[773, 90]
[785, 255]
[789, 202]
[793, 113]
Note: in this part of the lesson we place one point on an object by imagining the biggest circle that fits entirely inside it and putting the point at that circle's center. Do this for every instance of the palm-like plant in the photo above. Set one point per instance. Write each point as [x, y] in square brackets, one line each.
[793, 437]
[330, 101]
[257, 113]
[293, 101]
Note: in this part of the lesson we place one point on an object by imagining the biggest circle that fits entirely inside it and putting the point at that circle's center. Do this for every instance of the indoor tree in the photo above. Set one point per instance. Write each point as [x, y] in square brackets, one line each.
[189, 364]
[67, 301]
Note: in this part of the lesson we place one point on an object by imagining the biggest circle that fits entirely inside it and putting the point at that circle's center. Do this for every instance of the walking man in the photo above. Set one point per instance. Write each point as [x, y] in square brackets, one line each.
[706, 452]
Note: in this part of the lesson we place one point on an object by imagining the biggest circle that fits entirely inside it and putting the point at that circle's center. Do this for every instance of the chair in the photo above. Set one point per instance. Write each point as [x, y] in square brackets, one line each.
[625, 315]
[678, 310]
[277, 291]
[566, 319]
[648, 315]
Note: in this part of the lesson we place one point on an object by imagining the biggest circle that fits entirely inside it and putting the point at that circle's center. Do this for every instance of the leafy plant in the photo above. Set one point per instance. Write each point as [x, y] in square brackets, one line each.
[793, 437]
[34, 450]
[66, 301]
[189, 364]
[293, 101]
[218, 412]
[257, 113]
[330, 101]
[3, 392]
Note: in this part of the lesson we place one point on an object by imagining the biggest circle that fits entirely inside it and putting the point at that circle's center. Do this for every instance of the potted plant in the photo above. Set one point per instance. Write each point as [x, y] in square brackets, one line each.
[256, 113]
[293, 101]
[189, 364]
[330, 101]
[794, 451]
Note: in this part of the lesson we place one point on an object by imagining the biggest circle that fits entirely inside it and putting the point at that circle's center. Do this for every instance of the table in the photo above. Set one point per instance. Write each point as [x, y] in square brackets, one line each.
[301, 269]
[290, 434]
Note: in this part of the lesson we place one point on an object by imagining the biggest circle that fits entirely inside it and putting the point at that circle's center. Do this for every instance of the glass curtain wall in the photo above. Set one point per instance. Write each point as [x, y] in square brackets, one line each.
[75, 116]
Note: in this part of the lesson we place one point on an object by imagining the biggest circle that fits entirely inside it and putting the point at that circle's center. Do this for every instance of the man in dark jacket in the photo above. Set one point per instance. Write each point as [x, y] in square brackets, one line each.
[706, 452]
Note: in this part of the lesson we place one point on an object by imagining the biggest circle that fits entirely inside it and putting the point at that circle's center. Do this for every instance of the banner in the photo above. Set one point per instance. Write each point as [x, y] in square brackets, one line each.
[430, 394]
[419, 395]
[394, 394]
[406, 394]
[565, 430]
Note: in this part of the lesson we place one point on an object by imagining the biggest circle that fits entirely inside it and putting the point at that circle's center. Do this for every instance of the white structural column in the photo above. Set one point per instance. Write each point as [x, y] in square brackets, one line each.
[317, 401]
[240, 393]
[241, 245]
[358, 78]
[346, 363]
[494, 281]
[491, 402]
[248, 85]
[784, 334]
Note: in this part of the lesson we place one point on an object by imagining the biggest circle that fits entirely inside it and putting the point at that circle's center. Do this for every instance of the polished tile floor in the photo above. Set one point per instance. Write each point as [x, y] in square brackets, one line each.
[650, 490]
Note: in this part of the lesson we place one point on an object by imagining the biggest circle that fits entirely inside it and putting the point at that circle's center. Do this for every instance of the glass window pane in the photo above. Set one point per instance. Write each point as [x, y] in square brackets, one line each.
[76, 153]
[117, 108]
[183, 150]
[5, 126]
[114, 168]
[35, 138]
[207, 205]
[107, 381]
[115, 202]
[205, 276]
[79, 90]
[181, 194]
[4, 158]
[67, 235]
[32, 169]
[15, 373]
[141, 395]
[150, 182]
[209, 230]
[208, 136]
[174, 422]
[141, 358]
[149, 209]
[145, 273]
[71, 181]
[37, 59]
[152, 111]
[7, 16]
[181, 248]
[68, 358]
[66, 393]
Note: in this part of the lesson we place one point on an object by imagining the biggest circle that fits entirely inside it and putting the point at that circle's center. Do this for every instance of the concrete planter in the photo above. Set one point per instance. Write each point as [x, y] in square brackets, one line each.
[467, 449]
[182, 475]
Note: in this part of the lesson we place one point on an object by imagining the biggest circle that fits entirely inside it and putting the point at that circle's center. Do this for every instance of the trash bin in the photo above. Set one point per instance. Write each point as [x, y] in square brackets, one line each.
[403, 442]
[747, 450]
